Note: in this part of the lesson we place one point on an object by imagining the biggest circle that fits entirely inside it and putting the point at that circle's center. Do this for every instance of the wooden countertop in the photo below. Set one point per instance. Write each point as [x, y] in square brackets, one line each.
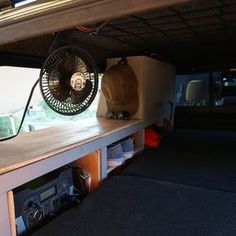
[38, 145]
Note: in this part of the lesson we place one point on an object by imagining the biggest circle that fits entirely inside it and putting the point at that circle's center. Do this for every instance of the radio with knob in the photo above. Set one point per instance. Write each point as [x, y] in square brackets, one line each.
[43, 197]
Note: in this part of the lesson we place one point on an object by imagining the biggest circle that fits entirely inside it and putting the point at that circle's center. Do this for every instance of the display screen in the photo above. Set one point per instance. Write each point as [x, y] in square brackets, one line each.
[48, 193]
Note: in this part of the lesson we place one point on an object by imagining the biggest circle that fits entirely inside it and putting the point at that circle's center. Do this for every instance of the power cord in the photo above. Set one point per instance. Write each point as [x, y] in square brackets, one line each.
[171, 113]
[24, 114]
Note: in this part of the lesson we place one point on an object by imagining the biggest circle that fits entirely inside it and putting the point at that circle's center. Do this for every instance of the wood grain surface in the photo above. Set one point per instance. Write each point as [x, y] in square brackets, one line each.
[38, 145]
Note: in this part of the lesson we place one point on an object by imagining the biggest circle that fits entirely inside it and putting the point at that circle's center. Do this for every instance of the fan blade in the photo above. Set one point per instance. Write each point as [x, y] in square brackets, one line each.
[80, 65]
[58, 87]
[80, 96]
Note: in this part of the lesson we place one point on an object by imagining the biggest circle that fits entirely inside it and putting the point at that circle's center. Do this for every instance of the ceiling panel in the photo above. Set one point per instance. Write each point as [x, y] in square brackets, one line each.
[202, 29]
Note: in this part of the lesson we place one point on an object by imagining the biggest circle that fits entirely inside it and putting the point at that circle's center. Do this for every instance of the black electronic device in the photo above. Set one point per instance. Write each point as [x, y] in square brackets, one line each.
[69, 80]
[44, 197]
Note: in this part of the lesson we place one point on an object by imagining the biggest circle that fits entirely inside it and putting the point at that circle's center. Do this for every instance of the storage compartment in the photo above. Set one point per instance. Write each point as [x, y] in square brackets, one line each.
[91, 164]
[120, 152]
[156, 82]
[41, 199]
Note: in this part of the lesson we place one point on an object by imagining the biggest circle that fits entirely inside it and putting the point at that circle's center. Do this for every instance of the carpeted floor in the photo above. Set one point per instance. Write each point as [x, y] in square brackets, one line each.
[137, 206]
[185, 187]
[198, 158]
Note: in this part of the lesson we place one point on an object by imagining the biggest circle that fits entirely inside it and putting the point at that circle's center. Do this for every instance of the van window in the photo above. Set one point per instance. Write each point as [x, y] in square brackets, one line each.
[16, 84]
[225, 89]
[192, 90]
[206, 89]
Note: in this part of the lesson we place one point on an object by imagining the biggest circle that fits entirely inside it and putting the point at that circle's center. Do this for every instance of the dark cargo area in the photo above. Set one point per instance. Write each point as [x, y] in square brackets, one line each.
[184, 187]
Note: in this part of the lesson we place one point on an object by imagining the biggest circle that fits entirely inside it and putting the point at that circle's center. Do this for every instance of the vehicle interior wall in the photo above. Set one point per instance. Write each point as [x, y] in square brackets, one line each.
[192, 171]
[196, 36]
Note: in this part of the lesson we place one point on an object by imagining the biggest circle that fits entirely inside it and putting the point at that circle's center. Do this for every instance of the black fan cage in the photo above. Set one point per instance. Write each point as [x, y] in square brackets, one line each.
[63, 63]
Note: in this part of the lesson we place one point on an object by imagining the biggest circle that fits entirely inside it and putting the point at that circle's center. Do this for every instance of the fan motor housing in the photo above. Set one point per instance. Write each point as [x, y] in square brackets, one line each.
[78, 81]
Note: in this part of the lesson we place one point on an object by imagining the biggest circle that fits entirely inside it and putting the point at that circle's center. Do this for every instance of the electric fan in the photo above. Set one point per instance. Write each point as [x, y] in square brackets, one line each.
[69, 80]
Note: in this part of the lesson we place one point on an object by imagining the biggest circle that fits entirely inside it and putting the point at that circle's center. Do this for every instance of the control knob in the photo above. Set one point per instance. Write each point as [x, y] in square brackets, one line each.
[38, 214]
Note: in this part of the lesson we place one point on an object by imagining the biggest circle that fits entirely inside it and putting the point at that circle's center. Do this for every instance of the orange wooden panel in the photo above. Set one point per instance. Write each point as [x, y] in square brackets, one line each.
[91, 164]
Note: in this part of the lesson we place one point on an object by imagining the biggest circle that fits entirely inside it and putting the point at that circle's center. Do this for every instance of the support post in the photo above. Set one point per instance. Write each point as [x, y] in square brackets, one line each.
[103, 162]
[5, 225]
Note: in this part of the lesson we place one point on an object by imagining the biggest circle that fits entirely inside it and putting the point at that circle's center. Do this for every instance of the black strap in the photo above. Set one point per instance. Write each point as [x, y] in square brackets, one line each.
[171, 113]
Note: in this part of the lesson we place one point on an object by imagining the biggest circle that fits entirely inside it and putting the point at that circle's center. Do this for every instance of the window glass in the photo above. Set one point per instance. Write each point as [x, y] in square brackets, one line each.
[16, 84]
[6, 126]
[192, 90]
[225, 89]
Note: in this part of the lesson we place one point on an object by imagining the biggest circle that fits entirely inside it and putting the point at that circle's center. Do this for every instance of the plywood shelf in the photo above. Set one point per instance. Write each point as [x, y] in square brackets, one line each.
[39, 145]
